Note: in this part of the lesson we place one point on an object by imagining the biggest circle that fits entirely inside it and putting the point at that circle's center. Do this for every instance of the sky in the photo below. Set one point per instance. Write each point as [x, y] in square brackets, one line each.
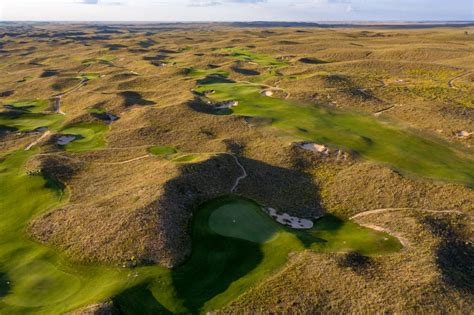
[237, 10]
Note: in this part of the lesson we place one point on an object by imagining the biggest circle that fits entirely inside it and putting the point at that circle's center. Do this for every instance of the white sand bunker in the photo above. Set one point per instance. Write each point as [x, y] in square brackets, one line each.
[463, 134]
[313, 147]
[267, 93]
[111, 117]
[288, 220]
[227, 104]
[66, 139]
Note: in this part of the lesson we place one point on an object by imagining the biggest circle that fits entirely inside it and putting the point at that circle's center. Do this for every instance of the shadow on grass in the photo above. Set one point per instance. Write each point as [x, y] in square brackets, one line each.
[454, 255]
[138, 300]
[243, 71]
[5, 286]
[312, 61]
[134, 98]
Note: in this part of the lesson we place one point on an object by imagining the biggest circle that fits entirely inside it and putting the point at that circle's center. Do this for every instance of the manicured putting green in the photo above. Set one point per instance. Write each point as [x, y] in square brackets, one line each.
[162, 150]
[242, 219]
[91, 136]
[376, 140]
[35, 279]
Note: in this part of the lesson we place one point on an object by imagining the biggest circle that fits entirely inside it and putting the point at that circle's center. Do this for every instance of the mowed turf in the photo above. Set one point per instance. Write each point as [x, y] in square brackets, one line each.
[91, 136]
[162, 150]
[29, 115]
[373, 139]
[37, 280]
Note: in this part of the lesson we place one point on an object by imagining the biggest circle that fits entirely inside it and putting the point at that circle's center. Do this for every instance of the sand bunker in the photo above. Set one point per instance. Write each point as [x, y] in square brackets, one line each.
[227, 104]
[66, 139]
[463, 134]
[313, 147]
[288, 220]
[111, 117]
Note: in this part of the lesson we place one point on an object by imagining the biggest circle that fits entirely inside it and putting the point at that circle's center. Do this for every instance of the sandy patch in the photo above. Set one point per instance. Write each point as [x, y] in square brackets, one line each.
[288, 220]
[111, 117]
[314, 147]
[66, 139]
[227, 104]
[463, 134]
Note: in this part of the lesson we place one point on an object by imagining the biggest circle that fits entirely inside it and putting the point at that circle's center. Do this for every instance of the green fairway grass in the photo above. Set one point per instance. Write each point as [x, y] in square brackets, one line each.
[246, 55]
[92, 136]
[30, 106]
[193, 72]
[87, 76]
[162, 150]
[40, 281]
[29, 115]
[188, 158]
[34, 279]
[373, 139]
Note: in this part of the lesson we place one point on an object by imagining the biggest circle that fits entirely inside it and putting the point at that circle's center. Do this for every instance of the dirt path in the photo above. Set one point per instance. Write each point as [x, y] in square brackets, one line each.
[43, 136]
[451, 82]
[127, 161]
[243, 176]
[377, 113]
[369, 212]
[402, 239]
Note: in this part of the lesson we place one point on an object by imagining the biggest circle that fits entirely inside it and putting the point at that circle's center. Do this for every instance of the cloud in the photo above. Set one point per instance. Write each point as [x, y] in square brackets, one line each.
[101, 2]
[88, 1]
[211, 3]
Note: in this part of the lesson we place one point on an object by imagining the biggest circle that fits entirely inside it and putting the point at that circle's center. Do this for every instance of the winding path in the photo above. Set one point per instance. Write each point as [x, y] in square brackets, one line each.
[127, 161]
[451, 82]
[243, 176]
[402, 239]
[362, 214]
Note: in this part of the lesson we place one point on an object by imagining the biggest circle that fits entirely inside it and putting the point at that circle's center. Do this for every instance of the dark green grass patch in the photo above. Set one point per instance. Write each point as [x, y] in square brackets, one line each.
[162, 150]
[91, 136]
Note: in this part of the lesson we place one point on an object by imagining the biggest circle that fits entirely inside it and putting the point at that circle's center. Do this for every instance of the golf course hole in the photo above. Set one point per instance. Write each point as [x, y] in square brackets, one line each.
[242, 219]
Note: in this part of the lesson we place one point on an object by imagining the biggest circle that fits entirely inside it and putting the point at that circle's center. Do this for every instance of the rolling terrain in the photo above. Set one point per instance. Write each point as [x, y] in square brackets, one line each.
[195, 168]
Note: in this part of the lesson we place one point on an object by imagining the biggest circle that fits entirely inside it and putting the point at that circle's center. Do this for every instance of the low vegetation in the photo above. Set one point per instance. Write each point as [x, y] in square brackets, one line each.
[144, 192]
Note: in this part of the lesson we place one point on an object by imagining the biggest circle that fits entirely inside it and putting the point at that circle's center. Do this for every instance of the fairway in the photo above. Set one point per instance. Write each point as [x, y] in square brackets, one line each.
[29, 115]
[373, 139]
